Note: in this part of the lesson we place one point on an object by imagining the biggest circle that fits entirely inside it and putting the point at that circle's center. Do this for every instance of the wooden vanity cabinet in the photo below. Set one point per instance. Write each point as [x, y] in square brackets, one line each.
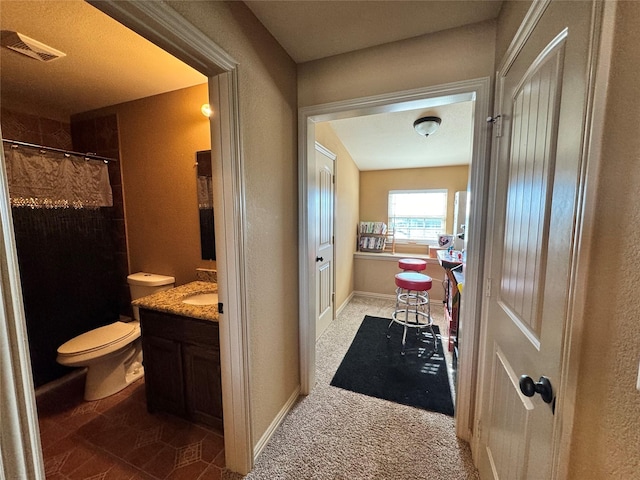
[181, 357]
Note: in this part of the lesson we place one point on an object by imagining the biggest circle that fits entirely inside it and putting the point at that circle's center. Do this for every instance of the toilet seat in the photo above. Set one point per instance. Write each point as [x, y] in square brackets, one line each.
[102, 340]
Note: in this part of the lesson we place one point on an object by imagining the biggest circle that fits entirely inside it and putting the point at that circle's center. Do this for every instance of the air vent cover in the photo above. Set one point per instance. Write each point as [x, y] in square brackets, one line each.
[28, 46]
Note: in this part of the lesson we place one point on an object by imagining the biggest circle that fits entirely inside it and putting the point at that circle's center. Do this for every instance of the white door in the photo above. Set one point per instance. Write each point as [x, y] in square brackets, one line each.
[541, 98]
[324, 246]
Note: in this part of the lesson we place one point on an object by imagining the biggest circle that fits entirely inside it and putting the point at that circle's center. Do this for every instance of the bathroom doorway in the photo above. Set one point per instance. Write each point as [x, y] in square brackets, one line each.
[220, 69]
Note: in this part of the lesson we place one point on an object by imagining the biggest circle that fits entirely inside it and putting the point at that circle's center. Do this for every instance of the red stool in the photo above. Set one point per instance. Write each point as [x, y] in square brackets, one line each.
[412, 264]
[413, 309]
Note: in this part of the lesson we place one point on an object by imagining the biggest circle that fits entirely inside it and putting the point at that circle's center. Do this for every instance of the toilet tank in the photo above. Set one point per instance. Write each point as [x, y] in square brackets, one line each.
[142, 284]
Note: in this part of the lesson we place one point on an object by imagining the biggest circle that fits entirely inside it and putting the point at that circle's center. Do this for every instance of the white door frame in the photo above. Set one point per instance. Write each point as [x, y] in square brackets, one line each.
[476, 89]
[21, 454]
[598, 75]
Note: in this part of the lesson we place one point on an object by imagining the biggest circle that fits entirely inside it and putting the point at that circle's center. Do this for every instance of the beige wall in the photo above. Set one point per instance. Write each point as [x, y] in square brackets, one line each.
[347, 191]
[375, 273]
[159, 137]
[450, 56]
[605, 443]
[606, 440]
[268, 112]
[376, 184]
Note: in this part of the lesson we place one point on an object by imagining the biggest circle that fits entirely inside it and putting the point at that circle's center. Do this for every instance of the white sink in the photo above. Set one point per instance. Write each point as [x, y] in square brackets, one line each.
[201, 299]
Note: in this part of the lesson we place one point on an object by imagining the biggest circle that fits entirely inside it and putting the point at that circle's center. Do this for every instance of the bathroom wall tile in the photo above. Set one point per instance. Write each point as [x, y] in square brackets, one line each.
[100, 135]
[83, 134]
[55, 134]
[33, 129]
[106, 132]
[114, 169]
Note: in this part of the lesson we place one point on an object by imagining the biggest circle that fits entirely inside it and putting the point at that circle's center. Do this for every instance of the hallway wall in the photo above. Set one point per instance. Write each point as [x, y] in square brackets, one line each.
[268, 114]
[419, 62]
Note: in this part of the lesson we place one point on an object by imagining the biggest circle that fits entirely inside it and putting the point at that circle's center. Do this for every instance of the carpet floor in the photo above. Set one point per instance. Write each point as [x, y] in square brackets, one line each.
[374, 365]
[338, 434]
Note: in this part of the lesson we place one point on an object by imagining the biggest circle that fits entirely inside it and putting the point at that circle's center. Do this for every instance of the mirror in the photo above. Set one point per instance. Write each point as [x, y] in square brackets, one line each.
[205, 205]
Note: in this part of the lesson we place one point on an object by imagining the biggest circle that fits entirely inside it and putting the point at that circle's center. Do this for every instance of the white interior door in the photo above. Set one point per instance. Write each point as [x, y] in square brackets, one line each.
[324, 248]
[541, 98]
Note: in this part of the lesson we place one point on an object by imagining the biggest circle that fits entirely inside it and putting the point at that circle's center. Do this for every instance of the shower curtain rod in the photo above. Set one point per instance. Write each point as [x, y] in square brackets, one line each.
[86, 156]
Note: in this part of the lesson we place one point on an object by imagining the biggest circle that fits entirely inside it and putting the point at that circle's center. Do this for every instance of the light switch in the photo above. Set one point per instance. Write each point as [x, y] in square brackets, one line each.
[638, 381]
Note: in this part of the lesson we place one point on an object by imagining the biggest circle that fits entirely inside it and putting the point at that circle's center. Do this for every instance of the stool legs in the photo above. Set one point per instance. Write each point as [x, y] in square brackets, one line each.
[416, 304]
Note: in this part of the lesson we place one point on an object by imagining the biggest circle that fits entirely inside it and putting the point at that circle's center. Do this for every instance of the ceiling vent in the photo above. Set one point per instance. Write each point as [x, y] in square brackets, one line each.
[28, 46]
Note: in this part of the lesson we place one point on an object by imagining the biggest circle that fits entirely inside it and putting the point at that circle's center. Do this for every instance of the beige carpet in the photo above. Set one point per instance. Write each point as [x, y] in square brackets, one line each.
[338, 434]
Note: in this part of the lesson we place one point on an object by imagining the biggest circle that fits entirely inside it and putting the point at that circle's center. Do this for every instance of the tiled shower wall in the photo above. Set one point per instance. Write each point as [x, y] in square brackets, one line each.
[32, 129]
[100, 136]
[97, 135]
[73, 263]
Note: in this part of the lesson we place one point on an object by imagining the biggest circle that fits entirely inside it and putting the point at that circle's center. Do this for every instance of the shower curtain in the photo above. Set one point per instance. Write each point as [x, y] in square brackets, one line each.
[61, 211]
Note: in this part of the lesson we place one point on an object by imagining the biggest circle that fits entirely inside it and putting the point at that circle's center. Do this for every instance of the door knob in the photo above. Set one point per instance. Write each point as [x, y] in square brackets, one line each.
[543, 386]
[319, 259]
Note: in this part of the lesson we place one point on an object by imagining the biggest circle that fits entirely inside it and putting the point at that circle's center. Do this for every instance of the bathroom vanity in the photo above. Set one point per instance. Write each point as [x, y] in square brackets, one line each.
[181, 352]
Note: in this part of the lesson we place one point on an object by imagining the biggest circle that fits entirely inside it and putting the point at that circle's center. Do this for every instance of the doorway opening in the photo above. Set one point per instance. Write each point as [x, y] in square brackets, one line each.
[163, 26]
[473, 90]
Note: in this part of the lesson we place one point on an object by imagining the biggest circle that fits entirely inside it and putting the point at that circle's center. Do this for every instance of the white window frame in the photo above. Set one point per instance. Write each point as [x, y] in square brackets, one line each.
[419, 241]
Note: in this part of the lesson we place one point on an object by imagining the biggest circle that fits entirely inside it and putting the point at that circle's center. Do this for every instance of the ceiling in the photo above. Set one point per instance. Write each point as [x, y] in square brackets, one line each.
[309, 30]
[107, 64]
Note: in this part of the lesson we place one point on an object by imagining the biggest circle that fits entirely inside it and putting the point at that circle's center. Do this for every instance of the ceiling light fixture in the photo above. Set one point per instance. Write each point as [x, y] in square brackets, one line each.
[427, 125]
[206, 110]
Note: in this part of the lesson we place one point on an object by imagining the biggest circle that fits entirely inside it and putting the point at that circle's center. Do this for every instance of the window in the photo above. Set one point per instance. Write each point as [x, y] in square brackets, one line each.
[418, 215]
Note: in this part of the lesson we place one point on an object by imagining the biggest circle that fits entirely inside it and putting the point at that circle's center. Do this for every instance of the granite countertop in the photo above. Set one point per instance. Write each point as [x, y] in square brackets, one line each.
[170, 301]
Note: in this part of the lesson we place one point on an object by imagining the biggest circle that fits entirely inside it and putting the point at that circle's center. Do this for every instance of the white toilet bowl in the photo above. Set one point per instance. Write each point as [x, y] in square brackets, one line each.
[112, 355]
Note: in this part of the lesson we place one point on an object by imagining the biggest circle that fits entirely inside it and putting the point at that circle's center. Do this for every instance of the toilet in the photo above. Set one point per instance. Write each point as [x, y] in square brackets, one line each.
[112, 354]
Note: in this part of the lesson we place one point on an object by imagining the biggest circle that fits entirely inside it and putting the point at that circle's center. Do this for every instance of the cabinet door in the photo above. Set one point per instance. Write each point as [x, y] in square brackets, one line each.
[163, 375]
[203, 384]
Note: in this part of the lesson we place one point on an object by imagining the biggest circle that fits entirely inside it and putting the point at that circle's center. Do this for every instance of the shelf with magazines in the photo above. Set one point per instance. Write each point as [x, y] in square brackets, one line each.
[374, 237]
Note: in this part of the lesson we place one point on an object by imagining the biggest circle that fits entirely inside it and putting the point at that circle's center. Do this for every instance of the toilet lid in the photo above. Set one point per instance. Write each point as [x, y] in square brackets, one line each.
[98, 338]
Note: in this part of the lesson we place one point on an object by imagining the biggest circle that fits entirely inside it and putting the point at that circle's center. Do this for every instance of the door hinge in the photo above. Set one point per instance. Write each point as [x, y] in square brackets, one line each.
[487, 287]
[220, 308]
[497, 122]
[333, 298]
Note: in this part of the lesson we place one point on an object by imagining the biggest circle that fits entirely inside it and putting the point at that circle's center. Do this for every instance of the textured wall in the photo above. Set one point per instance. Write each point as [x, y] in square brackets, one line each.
[346, 210]
[429, 60]
[267, 91]
[375, 186]
[606, 441]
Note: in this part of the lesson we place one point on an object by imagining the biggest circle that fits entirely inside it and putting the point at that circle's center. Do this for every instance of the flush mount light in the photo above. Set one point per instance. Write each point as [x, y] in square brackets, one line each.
[427, 125]
[206, 110]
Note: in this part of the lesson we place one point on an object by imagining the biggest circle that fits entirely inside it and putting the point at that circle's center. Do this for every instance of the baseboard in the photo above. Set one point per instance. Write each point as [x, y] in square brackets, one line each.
[60, 382]
[375, 295]
[257, 450]
[344, 304]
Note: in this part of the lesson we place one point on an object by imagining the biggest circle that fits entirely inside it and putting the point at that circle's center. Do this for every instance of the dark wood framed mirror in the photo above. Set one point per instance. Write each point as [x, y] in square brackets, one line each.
[205, 205]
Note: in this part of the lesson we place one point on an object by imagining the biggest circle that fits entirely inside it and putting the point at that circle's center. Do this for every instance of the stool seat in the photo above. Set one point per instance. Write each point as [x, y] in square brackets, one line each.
[413, 281]
[412, 264]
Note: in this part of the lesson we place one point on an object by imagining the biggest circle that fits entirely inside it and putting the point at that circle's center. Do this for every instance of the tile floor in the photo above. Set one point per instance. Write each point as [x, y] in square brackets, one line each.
[117, 439]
